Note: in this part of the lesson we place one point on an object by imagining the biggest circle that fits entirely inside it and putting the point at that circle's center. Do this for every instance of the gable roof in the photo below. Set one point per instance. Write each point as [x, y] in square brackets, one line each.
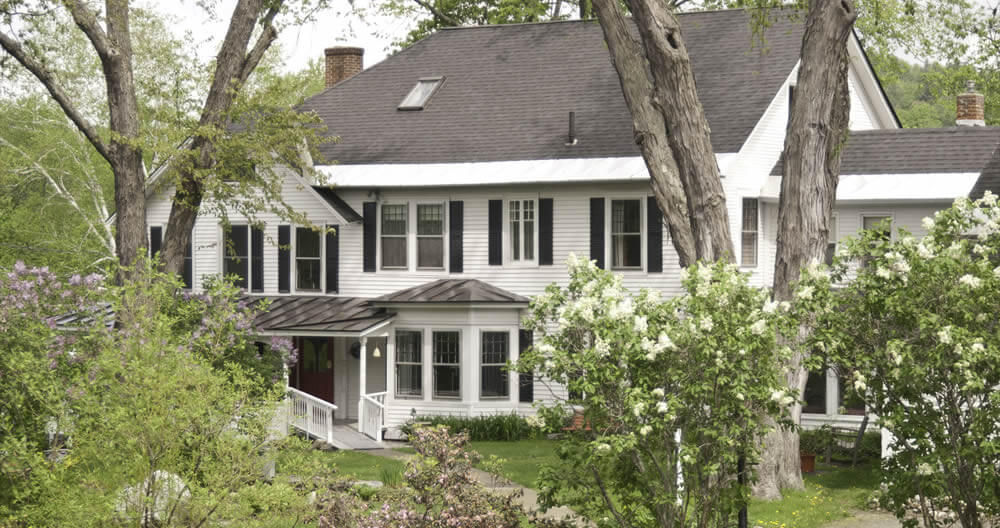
[335, 201]
[917, 151]
[508, 90]
[452, 291]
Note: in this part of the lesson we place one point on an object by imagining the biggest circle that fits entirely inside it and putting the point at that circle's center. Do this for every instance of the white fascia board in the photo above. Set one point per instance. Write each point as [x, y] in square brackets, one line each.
[869, 80]
[631, 168]
[929, 187]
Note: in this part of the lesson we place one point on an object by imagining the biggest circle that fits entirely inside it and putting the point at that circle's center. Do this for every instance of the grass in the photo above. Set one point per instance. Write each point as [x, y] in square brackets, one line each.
[302, 460]
[522, 459]
[831, 493]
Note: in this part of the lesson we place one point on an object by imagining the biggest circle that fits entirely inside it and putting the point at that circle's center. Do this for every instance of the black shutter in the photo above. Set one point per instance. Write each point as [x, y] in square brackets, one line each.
[597, 231]
[545, 232]
[496, 232]
[256, 260]
[333, 260]
[188, 261]
[155, 240]
[654, 236]
[369, 211]
[526, 382]
[284, 258]
[456, 222]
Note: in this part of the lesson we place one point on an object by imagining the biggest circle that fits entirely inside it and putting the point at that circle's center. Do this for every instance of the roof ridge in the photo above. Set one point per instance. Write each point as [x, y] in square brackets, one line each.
[577, 20]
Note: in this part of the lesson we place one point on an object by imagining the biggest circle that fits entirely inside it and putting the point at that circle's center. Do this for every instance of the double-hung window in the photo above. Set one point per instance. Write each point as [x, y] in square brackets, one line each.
[394, 232]
[308, 264]
[430, 236]
[521, 214]
[447, 365]
[493, 381]
[409, 371]
[236, 255]
[748, 242]
[831, 241]
[626, 234]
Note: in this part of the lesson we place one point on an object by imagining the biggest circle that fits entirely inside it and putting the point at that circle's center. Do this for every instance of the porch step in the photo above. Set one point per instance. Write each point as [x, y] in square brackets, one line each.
[347, 437]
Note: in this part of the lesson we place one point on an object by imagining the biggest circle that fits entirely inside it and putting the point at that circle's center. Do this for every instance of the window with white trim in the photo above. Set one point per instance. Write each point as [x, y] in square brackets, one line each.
[521, 214]
[430, 236]
[749, 233]
[236, 255]
[308, 260]
[493, 376]
[626, 234]
[831, 241]
[394, 232]
[409, 364]
[447, 369]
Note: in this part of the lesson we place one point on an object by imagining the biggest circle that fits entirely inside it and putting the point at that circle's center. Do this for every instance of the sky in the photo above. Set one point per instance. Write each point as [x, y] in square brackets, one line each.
[340, 25]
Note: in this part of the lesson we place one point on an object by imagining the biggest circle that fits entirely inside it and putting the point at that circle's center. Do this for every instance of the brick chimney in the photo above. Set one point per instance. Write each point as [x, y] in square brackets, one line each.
[971, 107]
[342, 63]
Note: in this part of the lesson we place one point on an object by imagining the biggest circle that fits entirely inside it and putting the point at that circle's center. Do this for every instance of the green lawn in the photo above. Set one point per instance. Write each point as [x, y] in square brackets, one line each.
[523, 459]
[831, 493]
[356, 465]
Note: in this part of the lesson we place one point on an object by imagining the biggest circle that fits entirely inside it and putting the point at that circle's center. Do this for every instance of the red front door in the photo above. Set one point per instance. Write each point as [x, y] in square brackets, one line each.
[314, 372]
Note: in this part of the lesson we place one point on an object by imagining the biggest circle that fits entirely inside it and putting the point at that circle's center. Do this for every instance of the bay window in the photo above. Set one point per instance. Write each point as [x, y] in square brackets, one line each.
[409, 371]
[447, 365]
[493, 380]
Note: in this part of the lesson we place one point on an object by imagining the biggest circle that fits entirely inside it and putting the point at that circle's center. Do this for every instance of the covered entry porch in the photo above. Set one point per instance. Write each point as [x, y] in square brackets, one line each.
[338, 383]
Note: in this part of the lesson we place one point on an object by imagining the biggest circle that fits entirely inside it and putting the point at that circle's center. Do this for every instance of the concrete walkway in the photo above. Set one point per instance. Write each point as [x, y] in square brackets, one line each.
[528, 499]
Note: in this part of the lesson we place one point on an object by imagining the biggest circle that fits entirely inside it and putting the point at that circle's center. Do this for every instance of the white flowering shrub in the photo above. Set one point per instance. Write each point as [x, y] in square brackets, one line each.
[641, 368]
[918, 327]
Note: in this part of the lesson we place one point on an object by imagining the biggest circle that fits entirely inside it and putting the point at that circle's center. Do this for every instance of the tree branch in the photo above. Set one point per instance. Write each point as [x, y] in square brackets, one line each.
[87, 22]
[264, 42]
[14, 48]
[437, 12]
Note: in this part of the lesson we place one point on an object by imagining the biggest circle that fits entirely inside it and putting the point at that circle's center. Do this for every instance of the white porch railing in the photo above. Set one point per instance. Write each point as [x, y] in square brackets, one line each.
[372, 415]
[311, 415]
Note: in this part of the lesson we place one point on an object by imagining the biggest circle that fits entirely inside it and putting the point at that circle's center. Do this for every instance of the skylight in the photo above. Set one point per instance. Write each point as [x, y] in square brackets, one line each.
[421, 93]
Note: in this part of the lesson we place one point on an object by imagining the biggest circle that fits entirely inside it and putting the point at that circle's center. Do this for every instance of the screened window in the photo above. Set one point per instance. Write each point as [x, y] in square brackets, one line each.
[394, 236]
[421, 93]
[626, 234]
[236, 255]
[447, 370]
[409, 377]
[493, 365]
[430, 236]
[308, 264]
[522, 230]
[748, 243]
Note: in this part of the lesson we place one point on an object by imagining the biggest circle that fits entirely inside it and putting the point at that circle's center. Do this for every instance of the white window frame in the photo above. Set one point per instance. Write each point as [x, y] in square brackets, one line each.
[433, 363]
[833, 234]
[294, 250]
[395, 370]
[869, 214]
[609, 236]
[479, 361]
[222, 253]
[757, 234]
[405, 237]
[508, 243]
[443, 236]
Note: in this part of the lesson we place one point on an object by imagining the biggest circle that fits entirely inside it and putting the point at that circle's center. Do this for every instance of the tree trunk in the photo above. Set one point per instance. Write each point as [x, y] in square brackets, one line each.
[816, 130]
[126, 156]
[658, 85]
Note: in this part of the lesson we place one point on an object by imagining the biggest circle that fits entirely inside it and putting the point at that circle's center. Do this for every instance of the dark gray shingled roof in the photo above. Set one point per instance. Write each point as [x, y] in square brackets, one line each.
[338, 204]
[452, 291]
[989, 179]
[319, 313]
[917, 150]
[508, 91]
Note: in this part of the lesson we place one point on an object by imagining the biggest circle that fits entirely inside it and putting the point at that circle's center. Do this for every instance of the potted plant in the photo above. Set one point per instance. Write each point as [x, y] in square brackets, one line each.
[808, 447]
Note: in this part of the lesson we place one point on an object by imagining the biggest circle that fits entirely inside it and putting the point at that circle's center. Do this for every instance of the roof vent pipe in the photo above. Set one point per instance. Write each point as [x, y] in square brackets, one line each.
[572, 130]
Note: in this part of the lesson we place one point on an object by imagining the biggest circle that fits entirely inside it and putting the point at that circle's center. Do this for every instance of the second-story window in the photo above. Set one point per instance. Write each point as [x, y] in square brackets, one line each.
[430, 236]
[308, 264]
[394, 236]
[626, 234]
[236, 255]
[748, 241]
[522, 230]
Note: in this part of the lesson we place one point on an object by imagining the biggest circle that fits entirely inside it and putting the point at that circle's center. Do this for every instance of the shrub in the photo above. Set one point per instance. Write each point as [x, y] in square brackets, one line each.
[496, 427]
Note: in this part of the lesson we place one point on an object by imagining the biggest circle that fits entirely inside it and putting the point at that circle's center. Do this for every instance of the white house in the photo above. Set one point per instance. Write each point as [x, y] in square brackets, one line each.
[471, 164]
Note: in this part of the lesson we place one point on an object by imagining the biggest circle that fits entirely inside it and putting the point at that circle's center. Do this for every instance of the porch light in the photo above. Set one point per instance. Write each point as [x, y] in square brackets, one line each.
[376, 352]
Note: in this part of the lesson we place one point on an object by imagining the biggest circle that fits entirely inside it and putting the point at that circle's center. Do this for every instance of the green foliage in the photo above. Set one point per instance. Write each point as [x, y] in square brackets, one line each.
[157, 417]
[500, 427]
[641, 368]
[817, 441]
[831, 493]
[917, 328]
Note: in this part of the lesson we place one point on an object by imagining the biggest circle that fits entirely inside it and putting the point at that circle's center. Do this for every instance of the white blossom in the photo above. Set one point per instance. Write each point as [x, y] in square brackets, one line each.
[641, 324]
[924, 251]
[883, 273]
[662, 407]
[978, 347]
[706, 323]
[989, 198]
[804, 293]
[622, 309]
[603, 448]
[549, 364]
[546, 349]
[777, 395]
[944, 335]
[925, 469]
[770, 306]
[601, 347]
[928, 223]
[658, 392]
[638, 409]
[739, 396]
[970, 280]
[785, 306]
[786, 401]
[758, 327]
[743, 352]
[645, 430]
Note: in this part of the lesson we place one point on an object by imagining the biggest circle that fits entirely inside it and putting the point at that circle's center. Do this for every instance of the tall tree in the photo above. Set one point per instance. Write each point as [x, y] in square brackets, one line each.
[194, 170]
[658, 83]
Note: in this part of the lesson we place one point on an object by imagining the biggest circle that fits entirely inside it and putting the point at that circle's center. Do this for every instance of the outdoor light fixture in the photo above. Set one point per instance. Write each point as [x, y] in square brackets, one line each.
[376, 352]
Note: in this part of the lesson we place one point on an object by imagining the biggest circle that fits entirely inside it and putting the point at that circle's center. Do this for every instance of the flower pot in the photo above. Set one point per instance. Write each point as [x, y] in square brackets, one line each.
[808, 463]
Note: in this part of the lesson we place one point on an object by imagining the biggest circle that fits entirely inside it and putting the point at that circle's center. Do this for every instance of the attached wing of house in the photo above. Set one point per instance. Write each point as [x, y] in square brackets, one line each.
[471, 164]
